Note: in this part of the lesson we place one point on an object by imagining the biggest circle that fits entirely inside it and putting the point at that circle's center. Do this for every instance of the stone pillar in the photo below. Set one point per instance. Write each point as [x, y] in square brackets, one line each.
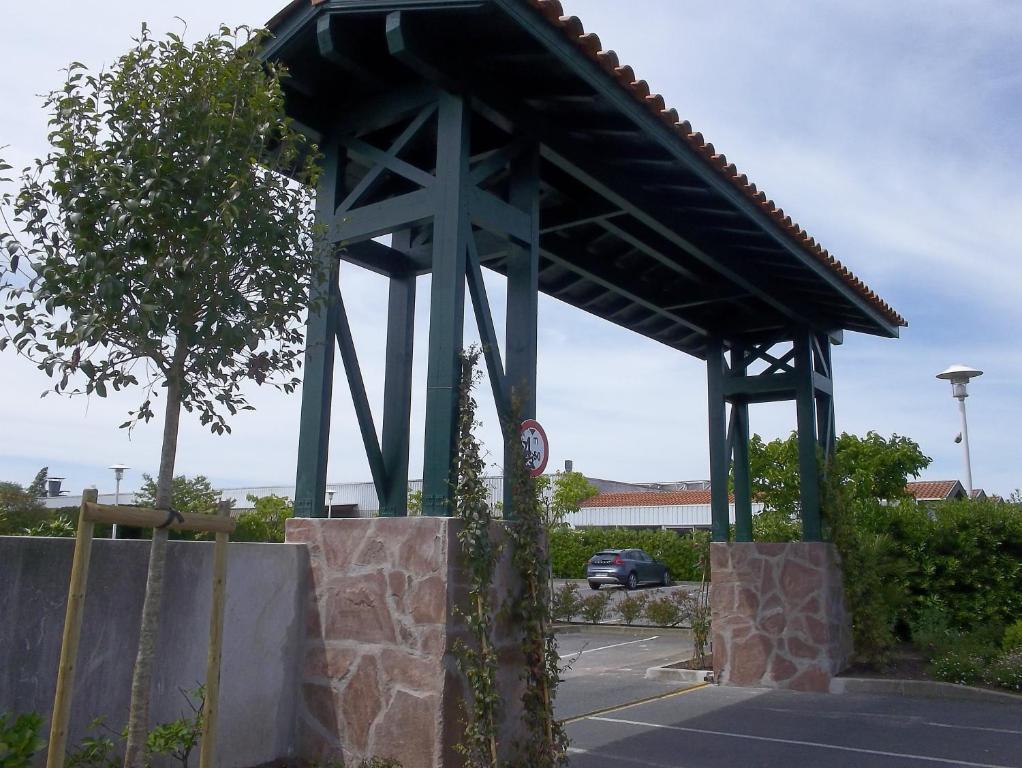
[779, 617]
[379, 677]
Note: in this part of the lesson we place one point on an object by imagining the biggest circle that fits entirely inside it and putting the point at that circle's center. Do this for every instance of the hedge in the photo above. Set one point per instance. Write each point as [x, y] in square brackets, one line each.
[963, 557]
[571, 548]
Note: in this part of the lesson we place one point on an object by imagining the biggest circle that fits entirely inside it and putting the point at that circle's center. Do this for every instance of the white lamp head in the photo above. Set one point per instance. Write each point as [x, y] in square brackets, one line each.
[959, 376]
[119, 470]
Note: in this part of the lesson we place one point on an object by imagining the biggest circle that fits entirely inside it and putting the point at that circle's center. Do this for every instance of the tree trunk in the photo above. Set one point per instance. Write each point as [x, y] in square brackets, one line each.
[141, 682]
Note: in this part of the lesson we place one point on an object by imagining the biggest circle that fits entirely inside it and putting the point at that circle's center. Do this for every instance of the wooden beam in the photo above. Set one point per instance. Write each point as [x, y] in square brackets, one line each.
[143, 517]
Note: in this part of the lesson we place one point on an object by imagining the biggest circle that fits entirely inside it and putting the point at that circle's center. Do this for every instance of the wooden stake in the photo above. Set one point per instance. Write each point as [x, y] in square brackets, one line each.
[207, 750]
[72, 632]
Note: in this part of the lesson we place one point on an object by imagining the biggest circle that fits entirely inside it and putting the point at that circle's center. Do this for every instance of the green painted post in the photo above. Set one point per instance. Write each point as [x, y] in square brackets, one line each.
[825, 428]
[317, 385]
[808, 468]
[719, 507]
[740, 439]
[521, 331]
[447, 303]
[397, 389]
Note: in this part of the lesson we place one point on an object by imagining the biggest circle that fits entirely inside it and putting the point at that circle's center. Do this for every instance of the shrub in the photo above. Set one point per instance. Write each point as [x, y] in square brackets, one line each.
[566, 602]
[19, 739]
[571, 548]
[631, 607]
[665, 611]
[594, 607]
[96, 751]
[700, 619]
[266, 521]
[1013, 637]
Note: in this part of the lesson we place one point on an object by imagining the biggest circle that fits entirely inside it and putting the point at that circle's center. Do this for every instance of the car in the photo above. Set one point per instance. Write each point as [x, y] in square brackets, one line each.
[626, 567]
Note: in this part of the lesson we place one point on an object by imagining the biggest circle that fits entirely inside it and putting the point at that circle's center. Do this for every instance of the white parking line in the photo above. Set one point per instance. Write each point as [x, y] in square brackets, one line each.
[797, 742]
[974, 728]
[576, 654]
[622, 759]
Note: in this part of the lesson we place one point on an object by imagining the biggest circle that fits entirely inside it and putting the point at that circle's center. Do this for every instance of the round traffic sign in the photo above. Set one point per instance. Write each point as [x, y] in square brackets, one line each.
[535, 445]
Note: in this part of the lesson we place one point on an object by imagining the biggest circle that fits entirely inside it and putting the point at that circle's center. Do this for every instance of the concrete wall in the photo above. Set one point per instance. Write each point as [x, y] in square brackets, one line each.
[263, 636]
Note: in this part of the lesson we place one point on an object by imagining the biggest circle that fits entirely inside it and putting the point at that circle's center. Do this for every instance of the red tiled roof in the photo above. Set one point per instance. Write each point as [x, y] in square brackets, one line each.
[928, 490]
[671, 499]
[590, 44]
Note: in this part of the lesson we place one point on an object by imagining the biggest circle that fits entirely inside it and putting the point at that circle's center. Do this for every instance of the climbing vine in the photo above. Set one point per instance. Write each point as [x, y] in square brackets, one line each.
[527, 607]
[546, 743]
[477, 658]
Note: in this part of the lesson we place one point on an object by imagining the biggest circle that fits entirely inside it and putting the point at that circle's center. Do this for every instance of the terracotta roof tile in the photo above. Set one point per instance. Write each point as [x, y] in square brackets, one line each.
[572, 27]
[671, 499]
[928, 490]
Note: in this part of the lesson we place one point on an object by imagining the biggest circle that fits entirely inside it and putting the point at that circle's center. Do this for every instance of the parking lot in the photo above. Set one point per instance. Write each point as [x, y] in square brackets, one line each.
[719, 727]
[605, 667]
[706, 726]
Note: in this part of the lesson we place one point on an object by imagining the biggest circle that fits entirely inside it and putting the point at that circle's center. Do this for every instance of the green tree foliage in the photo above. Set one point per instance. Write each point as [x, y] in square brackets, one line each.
[195, 495]
[571, 548]
[567, 492]
[164, 242]
[870, 467]
[19, 509]
[19, 739]
[266, 521]
[38, 485]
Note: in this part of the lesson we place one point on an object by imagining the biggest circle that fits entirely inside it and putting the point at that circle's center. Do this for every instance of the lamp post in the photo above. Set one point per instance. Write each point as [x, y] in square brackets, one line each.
[330, 503]
[959, 376]
[118, 476]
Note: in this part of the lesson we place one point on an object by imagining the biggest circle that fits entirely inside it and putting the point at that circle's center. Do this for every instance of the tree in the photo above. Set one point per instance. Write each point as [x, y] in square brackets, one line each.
[164, 242]
[570, 489]
[870, 467]
[19, 509]
[266, 521]
[38, 485]
[196, 495]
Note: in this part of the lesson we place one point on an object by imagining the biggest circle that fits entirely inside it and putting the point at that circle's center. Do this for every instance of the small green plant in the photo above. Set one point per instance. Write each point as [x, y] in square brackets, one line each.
[55, 526]
[19, 739]
[178, 738]
[1013, 637]
[94, 751]
[594, 607]
[379, 762]
[566, 602]
[960, 665]
[701, 627]
[1006, 670]
[632, 607]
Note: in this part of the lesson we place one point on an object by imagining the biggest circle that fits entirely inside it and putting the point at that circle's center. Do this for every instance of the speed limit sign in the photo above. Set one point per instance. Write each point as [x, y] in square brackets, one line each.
[535, 445]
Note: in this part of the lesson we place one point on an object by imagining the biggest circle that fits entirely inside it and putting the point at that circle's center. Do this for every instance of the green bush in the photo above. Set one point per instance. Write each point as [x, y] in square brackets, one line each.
[19, 739]
[1013, 637]
[665, 611]
[594, 607]
[632, 607]
[571, 548]
[566, 603]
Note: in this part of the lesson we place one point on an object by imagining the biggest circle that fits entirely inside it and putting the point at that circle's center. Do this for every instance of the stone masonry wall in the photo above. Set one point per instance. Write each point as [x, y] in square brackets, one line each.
[379, 676]
[779, 617]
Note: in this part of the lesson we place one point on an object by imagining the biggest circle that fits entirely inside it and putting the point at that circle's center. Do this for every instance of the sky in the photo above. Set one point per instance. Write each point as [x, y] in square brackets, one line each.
[891, 131]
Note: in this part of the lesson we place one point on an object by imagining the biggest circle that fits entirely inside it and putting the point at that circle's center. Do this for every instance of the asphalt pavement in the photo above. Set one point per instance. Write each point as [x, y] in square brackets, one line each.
[602, 668]
[615, 717]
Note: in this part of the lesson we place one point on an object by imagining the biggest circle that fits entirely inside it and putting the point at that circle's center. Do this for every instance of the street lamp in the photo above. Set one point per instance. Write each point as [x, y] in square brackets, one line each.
[118, 476]
[330, 503]
[959, 376]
